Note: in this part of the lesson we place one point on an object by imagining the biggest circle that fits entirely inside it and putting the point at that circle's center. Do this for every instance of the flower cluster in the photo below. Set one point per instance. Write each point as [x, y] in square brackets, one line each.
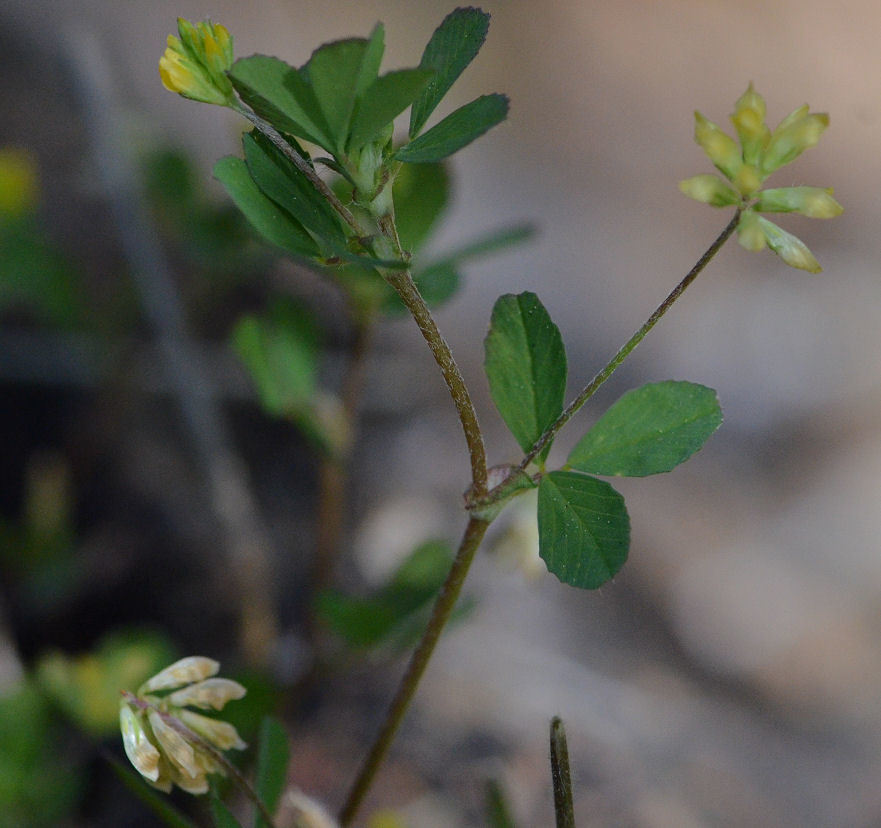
[195, 66]
[746, 167]
[170, 744]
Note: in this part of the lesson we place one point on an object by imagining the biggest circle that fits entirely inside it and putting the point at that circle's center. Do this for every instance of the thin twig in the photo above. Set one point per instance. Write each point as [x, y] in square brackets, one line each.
[591, 388]
[403, 283]
[443, 607]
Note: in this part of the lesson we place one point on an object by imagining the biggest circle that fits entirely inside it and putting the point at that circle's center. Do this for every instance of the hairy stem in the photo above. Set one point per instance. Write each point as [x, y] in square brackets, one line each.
[443, 607]
[403, 283]
[591, 388]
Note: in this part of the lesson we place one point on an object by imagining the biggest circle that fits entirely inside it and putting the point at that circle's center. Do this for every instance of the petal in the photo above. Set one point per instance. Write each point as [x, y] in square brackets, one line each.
[720, 148]
[789, 141]
[195, 785]
[791, 249]
[213, 692]
[220, 734]
[748, 180]
[814, 202]
[185, 671]
[175, 748]
[749, 121]
[709, 189]
[749, 232]
[140, 751]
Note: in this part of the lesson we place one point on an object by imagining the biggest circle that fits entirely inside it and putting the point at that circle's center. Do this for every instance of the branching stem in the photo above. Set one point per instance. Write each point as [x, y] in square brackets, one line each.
[591, 388]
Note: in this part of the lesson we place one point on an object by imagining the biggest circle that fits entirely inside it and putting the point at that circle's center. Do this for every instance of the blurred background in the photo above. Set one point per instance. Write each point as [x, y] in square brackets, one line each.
[730, 675]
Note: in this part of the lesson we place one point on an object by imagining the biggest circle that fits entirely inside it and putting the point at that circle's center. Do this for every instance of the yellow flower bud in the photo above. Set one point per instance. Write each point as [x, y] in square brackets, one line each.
[195, 65]
[749, 232]
[791, 249]
[720, 148]
[213, 692]
[749, 121]
[814, 202]
[796, 133]
[139, 749]
[220, 734]
[185, 671]
[174, 747]
[748, 180]
[709, 189]
[216, 45]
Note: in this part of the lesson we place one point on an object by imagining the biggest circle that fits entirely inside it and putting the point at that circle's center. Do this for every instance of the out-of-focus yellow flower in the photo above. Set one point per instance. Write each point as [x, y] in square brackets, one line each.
[18, 182]
[746, 167]
[169, 744]
[195, 65]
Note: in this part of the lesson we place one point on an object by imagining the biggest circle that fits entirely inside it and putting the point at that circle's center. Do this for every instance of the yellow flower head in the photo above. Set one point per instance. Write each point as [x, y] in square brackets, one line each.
[195, 65]
[746, 167]
[168, 743]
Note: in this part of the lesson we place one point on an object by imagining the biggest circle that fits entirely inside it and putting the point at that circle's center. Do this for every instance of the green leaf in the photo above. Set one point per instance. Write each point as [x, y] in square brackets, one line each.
[159, 805]
[525, 363]
[279, 93]
[372, 59]
[281, 181]
[336, 71]
[455, 131]
[649, 430]
[385, 99]
[280, 354]
[272, 766]
[583, 528]
[222, 816]
[420, 192]
[451, 48]
[366, 622]
[275, 224]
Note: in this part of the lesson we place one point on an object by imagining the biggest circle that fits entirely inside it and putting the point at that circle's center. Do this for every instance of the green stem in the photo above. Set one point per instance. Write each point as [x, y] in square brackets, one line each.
[591, 388]
[403, 283]
[443, 607]
[561, 777]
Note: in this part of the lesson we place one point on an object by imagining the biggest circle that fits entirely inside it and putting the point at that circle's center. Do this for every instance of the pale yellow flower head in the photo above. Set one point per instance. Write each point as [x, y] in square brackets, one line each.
[195, 65]
[761, 152]
[168, 743]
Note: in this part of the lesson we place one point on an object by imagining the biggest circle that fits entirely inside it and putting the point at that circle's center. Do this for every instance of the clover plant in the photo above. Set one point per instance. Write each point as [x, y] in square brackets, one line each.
[324, 177]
